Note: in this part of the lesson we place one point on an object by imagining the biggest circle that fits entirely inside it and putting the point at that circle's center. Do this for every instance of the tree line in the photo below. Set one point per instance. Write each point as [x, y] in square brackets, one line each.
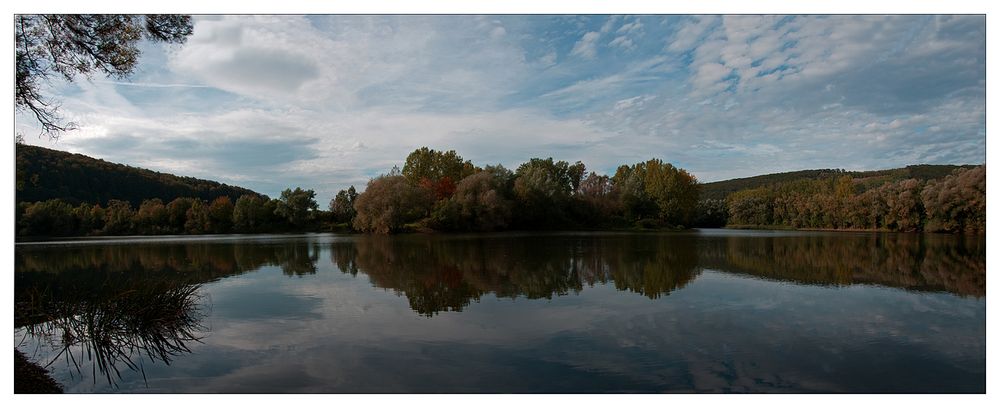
[441, 191]
[295, 210]
[954, 203]
[435, 190]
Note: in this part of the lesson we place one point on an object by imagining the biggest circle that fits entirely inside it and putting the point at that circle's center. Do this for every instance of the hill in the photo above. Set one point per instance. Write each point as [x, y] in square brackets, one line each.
[43, 174]
[720, 189]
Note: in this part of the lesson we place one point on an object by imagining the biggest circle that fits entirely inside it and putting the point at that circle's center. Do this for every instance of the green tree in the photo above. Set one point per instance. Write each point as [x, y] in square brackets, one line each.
[69, 45]
[712, 214]
[342, 206]
[542, 188]
[629, 184]
[297, 206]
[674, 191]
[249, 214]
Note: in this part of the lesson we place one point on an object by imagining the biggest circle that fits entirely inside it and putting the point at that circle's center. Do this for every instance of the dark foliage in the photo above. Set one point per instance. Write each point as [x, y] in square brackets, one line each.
[719, 190]
[45, 174]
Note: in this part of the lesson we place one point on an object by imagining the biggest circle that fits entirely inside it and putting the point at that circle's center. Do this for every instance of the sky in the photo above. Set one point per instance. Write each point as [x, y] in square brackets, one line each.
[325, 102]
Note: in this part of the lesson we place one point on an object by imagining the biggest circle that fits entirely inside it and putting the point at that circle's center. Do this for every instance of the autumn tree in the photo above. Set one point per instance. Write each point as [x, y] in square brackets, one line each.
[197, 219]
[51, 217]
[177, 213]
[481, 202]
[957, 203]
[220, 215]
[90, 218]
[152, 217]
[118, 218]
[390, 202]
[597, 200]
[436, 171]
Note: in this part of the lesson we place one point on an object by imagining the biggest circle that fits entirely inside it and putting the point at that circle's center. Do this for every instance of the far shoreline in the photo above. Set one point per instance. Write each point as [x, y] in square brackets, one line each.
[55, 240]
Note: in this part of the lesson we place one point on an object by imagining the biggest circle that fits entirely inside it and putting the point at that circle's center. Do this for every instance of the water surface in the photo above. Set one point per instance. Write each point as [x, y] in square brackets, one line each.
[705, 311]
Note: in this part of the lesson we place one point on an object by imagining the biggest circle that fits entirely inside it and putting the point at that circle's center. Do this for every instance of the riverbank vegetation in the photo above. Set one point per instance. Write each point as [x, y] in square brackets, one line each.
[954, 203]
[435, 190]
[441, 191]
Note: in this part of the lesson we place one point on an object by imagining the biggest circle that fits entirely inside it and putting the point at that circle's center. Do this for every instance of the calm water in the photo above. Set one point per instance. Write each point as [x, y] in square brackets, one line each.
[708, 311]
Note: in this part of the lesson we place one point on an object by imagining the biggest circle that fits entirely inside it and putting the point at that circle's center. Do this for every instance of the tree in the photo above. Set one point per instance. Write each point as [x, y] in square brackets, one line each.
[90, 218]
[68, 45]
[177, 213]
[542, 188]
[629, 184]
[118, 218]
[597, 203]
[390, 202]
[297, 206]
[674, 191]
[436, 171]
[957, 203]
[220, 215]
[197, 219]
[51, 217]
[152, 217]
[480, 203]
[249, 214]
[711, 214]
[342, 206]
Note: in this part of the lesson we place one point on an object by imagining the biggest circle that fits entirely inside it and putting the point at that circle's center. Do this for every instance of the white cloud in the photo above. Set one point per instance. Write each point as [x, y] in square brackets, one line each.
[622, 42]
[327, 101]
[586, 47]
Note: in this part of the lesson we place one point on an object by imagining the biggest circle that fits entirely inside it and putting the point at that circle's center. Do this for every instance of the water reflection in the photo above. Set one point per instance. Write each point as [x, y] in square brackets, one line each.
[939, 263]
[121, 324]
[442, 274]
[448, 273]
[655, 312]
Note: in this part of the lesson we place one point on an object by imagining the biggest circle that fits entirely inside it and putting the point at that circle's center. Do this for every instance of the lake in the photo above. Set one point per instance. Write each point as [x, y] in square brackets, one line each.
[704, 311]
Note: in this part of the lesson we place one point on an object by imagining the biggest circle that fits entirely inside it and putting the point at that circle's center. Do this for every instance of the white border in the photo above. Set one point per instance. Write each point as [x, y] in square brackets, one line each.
[487, 7]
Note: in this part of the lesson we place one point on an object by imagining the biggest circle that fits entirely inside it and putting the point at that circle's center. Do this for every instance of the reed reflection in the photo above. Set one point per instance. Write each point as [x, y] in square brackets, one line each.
[119, 327]
[114, 306]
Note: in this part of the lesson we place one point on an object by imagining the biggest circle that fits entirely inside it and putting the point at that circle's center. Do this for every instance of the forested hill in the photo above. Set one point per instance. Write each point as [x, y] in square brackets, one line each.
[720, 189]
[44, 174]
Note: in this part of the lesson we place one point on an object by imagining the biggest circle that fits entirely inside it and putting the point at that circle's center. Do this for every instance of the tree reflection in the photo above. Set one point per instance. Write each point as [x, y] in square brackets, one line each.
[922, 262]
[447, 273]
[438, 274]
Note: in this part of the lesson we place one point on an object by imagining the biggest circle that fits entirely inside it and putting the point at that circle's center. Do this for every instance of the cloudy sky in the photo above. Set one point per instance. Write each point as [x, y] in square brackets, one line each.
[324, 102]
